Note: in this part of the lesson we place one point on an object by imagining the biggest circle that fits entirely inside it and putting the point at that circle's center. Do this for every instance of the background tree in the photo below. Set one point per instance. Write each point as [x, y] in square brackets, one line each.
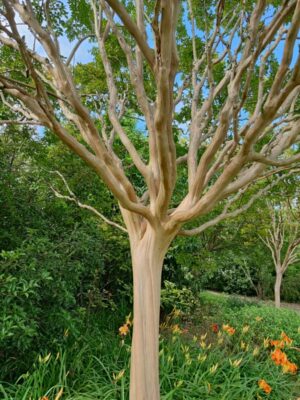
[283, 240]
[243, 122]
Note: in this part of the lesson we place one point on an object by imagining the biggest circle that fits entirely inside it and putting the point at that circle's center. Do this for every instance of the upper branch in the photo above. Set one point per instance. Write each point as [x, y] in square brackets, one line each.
[162, 148]
[228, 154]
[226, 214]
[71, 197]
[132, 27]
[41, 107]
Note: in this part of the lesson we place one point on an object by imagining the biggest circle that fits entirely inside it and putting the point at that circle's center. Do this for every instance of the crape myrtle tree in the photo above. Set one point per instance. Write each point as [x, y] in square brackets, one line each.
[283, 240]
[216, 85]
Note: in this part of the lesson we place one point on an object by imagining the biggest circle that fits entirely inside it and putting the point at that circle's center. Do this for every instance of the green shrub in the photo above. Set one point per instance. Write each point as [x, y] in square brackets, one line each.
[232, 279]
[181, 299]
[291, 287]
[46, 288]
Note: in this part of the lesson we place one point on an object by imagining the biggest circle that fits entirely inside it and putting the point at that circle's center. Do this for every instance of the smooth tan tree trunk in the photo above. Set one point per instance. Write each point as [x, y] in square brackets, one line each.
[277, 289]
[147, 259]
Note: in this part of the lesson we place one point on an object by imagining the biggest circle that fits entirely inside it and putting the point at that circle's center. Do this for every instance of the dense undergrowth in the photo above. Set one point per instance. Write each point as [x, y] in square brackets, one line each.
[225, 350]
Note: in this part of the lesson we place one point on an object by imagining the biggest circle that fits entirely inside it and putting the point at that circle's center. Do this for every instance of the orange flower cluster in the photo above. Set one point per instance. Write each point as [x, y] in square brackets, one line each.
[264, 386]
[280, 358]
[229, 329]
[285, 340]
[277, 343]
[289, 367]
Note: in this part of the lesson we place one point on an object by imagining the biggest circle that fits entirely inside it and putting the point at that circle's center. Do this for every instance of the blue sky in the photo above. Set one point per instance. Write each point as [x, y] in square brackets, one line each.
[83, 54]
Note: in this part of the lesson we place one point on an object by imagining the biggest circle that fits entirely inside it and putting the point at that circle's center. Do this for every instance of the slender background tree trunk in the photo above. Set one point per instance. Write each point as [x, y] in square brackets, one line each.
[147, 259]
[277, 289]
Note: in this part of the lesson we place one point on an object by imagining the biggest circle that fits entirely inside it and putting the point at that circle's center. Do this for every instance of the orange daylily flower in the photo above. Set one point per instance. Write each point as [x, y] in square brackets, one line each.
[289, 367]
[229, 329]
[285, 338]
[279, 357]
[277, 343]
[281, 343]
[264, 386]
[123, 330]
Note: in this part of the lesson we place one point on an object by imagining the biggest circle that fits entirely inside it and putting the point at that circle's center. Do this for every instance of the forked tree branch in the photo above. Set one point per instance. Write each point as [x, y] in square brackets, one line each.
[283, 238]
[121, 11]
[102, 161]
[226, 214]
[278, 163]
[72, 197]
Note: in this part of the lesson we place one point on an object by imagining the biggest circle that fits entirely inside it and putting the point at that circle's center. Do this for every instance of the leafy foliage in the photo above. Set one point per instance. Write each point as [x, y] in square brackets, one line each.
[172, 297]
